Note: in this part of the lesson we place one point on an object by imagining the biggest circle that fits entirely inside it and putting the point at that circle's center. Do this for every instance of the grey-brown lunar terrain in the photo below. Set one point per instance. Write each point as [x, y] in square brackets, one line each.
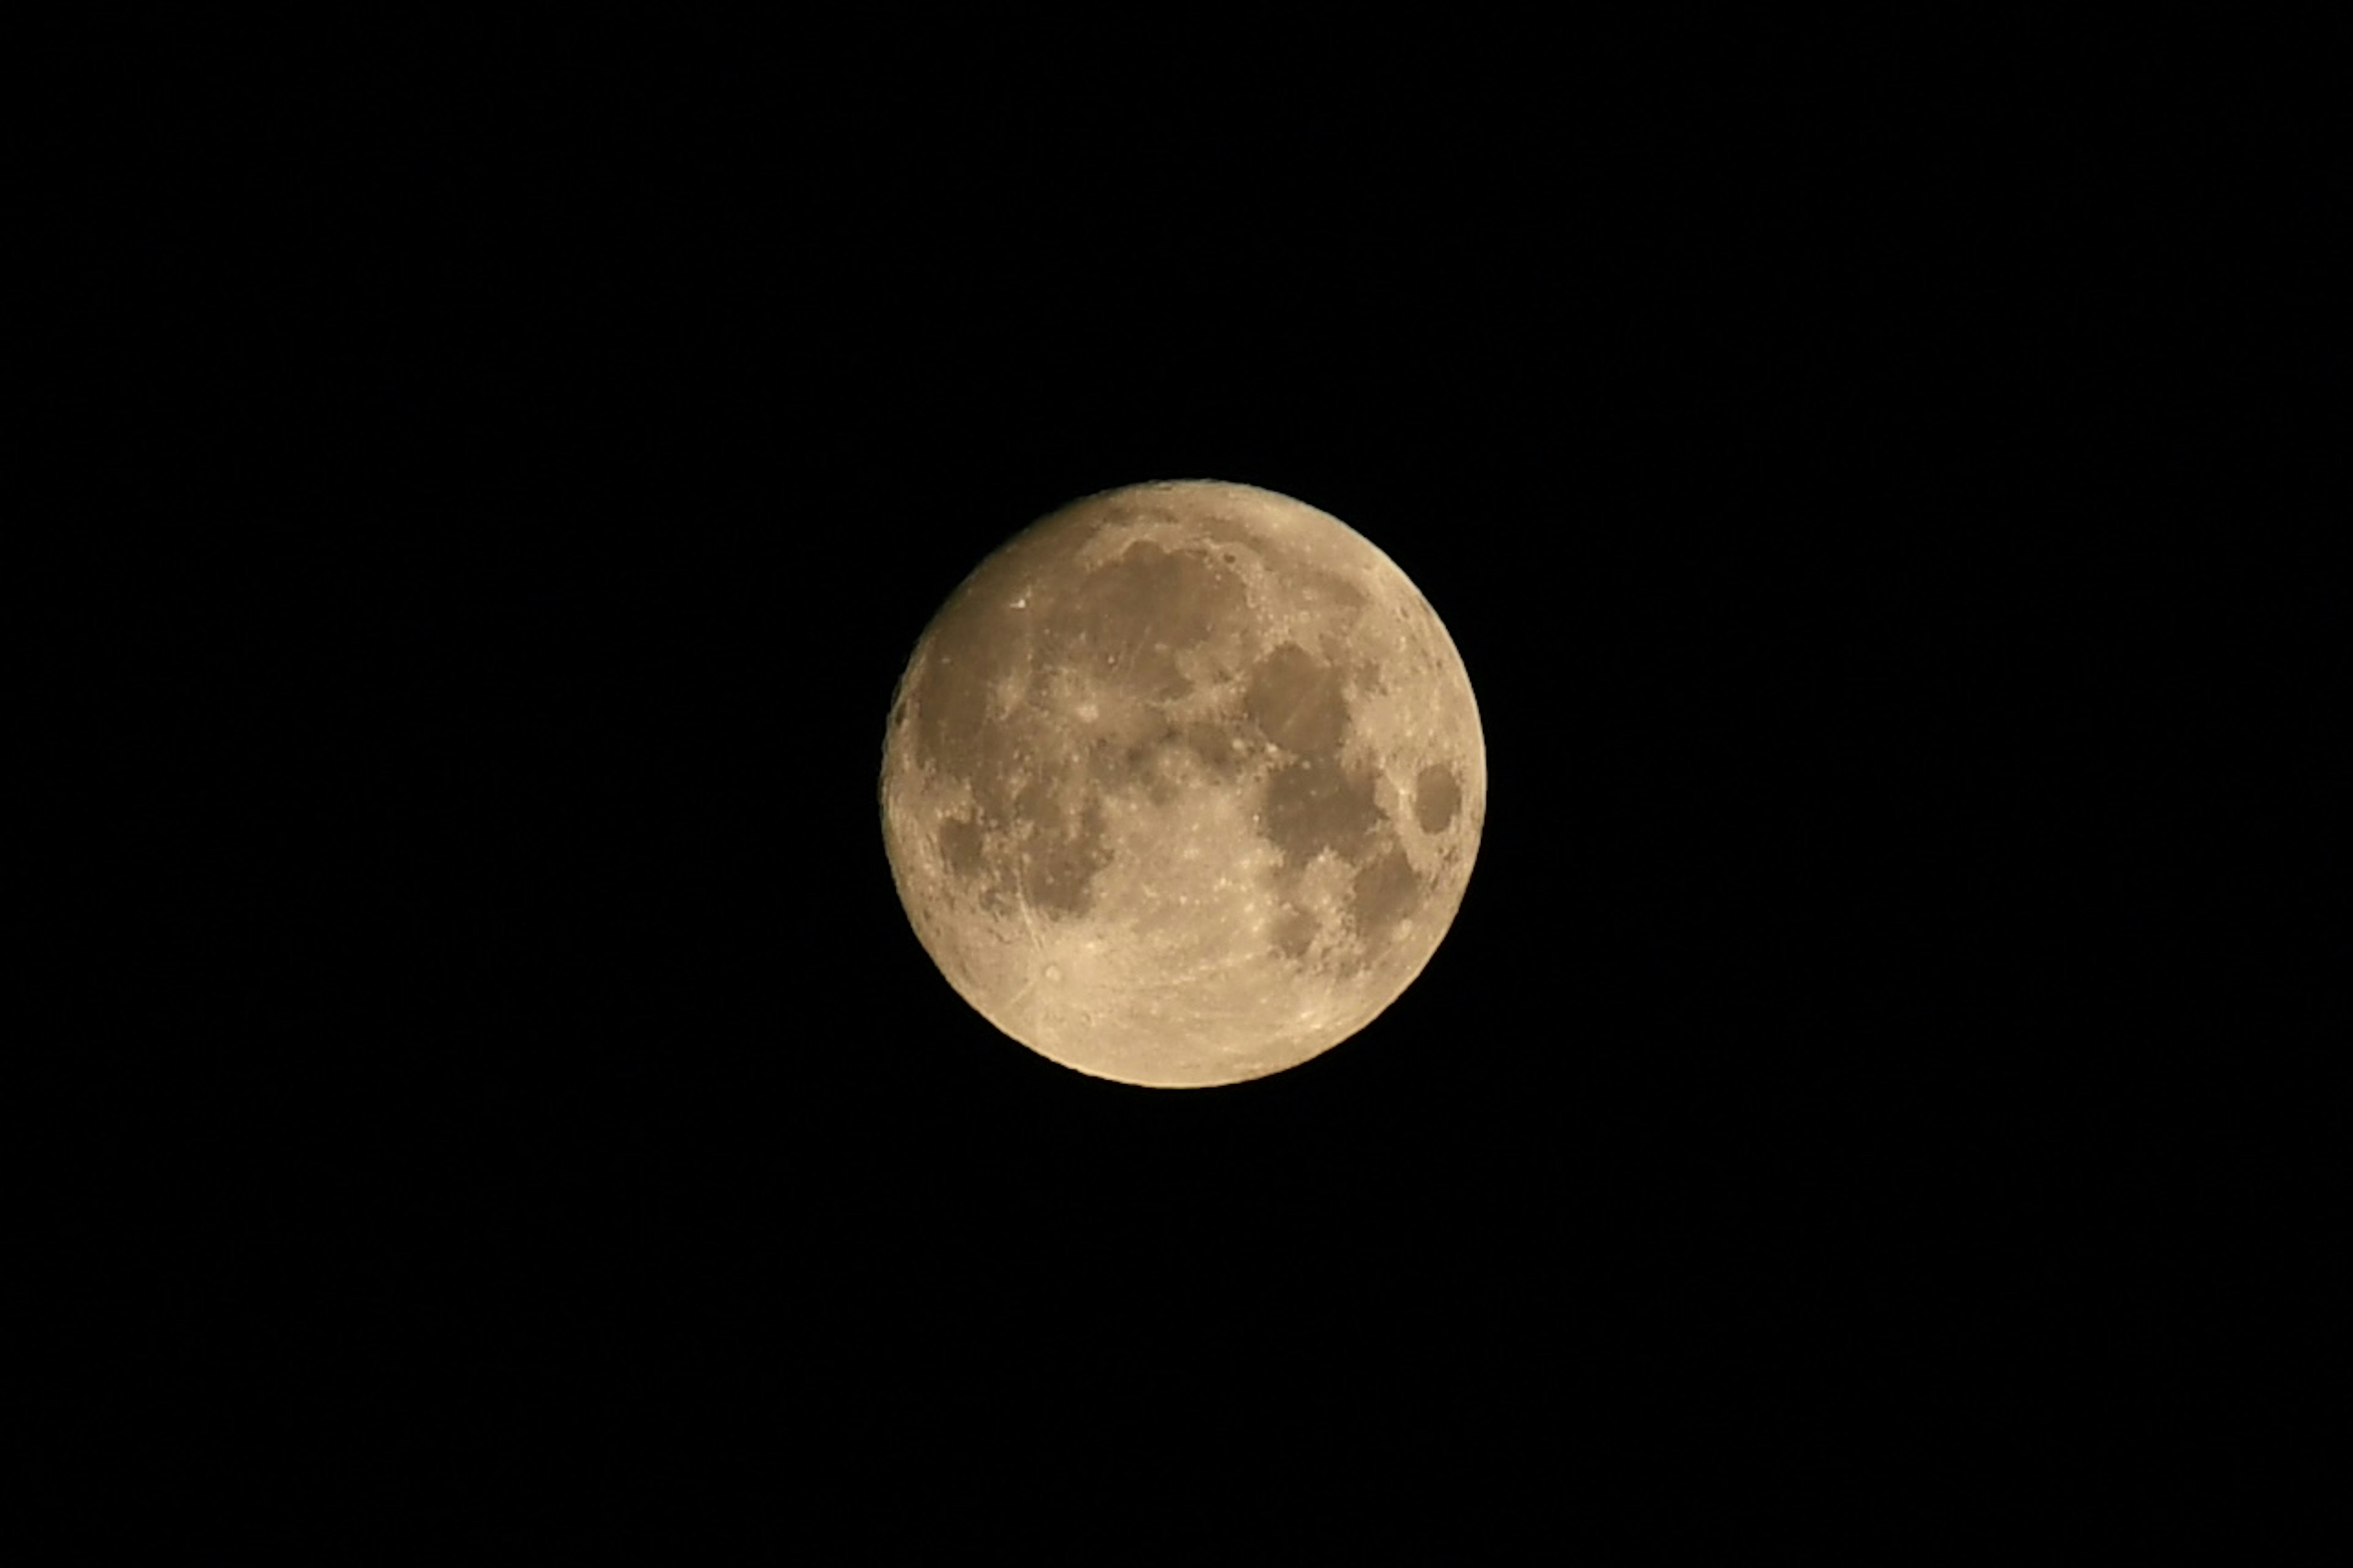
[1183, 785]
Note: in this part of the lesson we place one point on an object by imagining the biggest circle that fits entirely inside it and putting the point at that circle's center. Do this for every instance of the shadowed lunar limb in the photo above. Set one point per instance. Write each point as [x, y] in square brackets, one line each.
[1183, 785]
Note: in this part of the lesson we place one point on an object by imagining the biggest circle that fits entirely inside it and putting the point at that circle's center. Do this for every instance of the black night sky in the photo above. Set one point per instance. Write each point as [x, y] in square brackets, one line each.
[545, 450]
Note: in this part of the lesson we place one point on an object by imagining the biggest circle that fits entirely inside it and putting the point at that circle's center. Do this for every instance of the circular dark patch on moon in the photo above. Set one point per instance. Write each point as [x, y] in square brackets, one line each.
[1385, 890]
[1296, 700]
[1437, 796]
[1061, 861]
[1128, 619]
[960, 846]
[1314, 805]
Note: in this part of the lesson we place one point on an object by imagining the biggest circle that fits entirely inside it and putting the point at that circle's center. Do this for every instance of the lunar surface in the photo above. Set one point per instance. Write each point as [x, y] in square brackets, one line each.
[1183, 785]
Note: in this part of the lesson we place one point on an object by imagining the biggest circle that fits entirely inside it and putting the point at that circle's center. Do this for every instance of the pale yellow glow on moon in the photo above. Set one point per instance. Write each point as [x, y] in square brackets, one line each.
[1183, 785]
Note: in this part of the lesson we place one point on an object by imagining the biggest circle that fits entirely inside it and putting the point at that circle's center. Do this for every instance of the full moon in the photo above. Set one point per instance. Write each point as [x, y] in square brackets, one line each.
[1182, 785]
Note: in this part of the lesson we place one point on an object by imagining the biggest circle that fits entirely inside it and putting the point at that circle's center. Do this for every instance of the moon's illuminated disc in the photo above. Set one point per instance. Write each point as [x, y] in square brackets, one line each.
[1183, 785]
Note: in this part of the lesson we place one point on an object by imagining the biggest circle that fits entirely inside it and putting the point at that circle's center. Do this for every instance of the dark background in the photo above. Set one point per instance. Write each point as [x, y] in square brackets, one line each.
[513, 466]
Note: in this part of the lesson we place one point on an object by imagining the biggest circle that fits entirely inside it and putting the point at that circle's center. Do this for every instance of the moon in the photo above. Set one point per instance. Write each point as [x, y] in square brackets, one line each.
[1182, 786]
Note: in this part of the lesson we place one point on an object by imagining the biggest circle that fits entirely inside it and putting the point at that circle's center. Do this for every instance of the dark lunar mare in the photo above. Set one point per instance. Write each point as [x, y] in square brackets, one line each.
[1123, 624]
